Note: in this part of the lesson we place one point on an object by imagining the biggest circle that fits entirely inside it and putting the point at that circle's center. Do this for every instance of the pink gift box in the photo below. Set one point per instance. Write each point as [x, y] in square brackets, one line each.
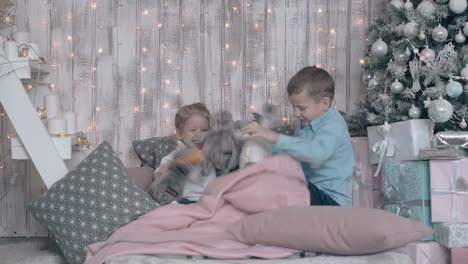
[449, 190]
[459, 255]
[426, 253]
[365, 188]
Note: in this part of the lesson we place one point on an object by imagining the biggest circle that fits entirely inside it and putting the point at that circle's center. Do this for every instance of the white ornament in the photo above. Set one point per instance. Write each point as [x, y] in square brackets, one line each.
[427, 8]
[373, 83]
[453, 89]
[422, 35]
[465, 29]
[399, 29]
[462, 123]
[414, 112]
[409, 5]
[411, 30]
[401, 57]
[397, 4]
[464, 72]
[439, 33]
[440, 110]
[457, 6]
[396, 87]
[379, 48]
[460, 38]
[427, 55]
[366, 77]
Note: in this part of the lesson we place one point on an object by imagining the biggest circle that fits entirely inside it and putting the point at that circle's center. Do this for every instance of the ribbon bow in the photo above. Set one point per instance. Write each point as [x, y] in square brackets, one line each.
[458, 186]
[383, 147]
[392, 196]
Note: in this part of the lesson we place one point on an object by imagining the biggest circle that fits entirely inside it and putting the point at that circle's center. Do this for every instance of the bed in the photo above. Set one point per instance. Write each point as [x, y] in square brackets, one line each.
[381, 258]
[261, 211]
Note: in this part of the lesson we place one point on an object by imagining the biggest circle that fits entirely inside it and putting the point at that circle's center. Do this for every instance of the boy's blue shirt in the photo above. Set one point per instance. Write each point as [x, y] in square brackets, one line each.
[324, 149]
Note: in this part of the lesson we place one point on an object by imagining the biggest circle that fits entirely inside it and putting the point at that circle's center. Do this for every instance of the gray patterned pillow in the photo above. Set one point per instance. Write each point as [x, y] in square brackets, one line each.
[89, 203]
[151, 150]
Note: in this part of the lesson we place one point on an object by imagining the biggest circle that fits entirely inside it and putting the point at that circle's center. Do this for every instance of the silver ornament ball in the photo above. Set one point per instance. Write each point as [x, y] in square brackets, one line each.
[422, 35]
[428, 54]
[460, 37]
[374, 82]
[462, 124]
[397, 4]
[366, 77]
[379, 48]
[464, 72]
[439, 33]
[453, 89]
[401, 57]
[427, 8]
[411, 30]
[408, 5]
[396, 87]
[440, 110]
[414, 112]
[457, 6]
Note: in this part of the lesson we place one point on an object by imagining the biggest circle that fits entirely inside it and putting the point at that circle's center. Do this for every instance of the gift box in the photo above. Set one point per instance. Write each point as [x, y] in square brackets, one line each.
[449, 190]
[405, 190]
[366, 188]
[451, 138]
[459, 255]
[448, 152]
[426, 253]
[400, 141]
[451, 235]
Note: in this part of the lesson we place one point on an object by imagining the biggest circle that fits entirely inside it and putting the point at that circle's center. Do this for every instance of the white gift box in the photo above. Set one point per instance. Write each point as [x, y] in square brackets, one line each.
[400, 141]
[62, 144]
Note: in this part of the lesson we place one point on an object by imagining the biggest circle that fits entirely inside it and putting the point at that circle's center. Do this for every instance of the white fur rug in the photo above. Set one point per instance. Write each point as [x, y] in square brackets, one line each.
[30, 252]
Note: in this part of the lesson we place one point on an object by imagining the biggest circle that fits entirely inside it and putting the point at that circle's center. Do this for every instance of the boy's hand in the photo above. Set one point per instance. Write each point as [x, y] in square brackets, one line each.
[256, 130]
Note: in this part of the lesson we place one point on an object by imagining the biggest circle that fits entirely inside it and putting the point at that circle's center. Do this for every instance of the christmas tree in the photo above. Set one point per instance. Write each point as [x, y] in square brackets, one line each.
[416, 66]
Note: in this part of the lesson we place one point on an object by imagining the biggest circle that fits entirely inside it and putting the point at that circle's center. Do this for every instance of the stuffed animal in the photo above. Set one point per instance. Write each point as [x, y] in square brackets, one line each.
[168, 186]
[225, 149]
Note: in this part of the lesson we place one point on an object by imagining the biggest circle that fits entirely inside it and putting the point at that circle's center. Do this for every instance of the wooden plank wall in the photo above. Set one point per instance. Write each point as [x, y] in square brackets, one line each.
[125, 66]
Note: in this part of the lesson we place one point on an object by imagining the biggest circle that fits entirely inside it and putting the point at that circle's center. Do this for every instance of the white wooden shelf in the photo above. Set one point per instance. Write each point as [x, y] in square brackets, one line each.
[62, 144]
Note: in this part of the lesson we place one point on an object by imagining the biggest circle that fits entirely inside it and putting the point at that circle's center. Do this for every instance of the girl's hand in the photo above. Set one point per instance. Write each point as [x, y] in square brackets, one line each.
[256, 130]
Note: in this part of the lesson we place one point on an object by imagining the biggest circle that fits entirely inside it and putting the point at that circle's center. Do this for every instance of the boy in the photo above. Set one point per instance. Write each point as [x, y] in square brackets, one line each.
[323, 145]
[192, 124]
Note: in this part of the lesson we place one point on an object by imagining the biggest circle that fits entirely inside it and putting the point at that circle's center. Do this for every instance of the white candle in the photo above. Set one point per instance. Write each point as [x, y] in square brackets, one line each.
[33, 52]
[21, 38]
[57, 126]
[52, 105]
[70, 117]
[11, 49]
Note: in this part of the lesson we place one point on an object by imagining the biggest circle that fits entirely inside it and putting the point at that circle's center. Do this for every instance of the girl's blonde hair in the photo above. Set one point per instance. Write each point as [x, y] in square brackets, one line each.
[187, 111]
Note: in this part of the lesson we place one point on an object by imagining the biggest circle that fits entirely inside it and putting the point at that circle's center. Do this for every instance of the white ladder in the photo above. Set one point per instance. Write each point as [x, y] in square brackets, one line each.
[28, 125]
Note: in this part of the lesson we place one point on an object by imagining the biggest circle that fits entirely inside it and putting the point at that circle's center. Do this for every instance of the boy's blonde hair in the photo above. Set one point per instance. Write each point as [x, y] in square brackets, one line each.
[318, 83]
[187, 111]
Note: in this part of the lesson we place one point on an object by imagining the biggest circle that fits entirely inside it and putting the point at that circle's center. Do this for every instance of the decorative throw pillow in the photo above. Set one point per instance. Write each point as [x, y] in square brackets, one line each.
[90, 202]
[329, 229]
[151, 150]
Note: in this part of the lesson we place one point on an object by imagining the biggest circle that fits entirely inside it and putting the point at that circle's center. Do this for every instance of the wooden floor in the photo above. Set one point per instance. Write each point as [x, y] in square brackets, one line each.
[46, 245]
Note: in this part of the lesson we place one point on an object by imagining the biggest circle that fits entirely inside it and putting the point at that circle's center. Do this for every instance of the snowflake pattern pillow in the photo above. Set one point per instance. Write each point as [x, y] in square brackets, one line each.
[151, 150]
[90, 202]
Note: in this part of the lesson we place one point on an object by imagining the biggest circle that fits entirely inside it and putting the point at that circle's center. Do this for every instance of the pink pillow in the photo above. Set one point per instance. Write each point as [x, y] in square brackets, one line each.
[329, 229]
[142, 176]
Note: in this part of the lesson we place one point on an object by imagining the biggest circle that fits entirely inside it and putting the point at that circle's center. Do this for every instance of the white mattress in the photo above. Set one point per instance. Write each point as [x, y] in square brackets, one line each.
[381, 258]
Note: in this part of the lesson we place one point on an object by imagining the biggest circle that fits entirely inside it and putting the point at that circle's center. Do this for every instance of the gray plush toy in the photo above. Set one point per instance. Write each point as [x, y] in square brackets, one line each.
[225, 149]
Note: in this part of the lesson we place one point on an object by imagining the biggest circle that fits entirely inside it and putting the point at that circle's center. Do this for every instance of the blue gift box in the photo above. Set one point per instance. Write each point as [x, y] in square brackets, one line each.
[406, 190]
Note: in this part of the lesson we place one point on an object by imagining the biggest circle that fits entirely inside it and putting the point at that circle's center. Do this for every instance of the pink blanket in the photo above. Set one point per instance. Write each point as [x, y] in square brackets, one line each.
[200, 229]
